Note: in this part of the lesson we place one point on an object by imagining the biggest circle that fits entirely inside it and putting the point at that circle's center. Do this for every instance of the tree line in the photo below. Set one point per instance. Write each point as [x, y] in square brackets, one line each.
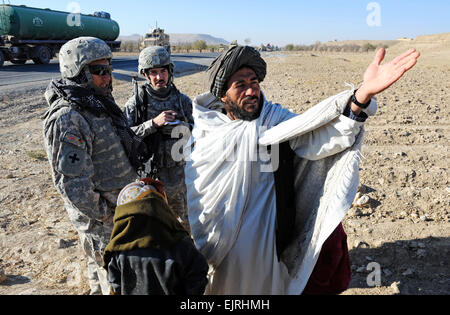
[199, 45]
[329, 47]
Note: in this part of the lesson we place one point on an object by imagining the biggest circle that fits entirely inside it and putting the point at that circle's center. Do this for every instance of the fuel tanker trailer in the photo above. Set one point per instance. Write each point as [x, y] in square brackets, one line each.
[37, 34]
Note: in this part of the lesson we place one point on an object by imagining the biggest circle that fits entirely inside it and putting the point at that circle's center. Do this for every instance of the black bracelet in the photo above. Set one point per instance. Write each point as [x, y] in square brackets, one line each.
[363, 106]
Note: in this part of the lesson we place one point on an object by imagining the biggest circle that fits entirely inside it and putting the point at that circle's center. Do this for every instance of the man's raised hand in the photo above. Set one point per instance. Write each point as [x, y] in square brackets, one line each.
[378, 78]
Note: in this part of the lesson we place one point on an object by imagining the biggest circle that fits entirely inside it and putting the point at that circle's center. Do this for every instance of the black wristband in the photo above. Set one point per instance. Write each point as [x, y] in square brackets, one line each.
[363, 106]
[362, 117]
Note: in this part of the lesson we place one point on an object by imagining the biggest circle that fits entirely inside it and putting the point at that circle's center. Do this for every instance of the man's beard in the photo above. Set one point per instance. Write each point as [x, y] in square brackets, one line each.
[241, 113]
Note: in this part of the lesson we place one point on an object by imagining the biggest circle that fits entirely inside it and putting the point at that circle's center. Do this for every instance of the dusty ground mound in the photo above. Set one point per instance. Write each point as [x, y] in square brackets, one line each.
[434, 38]
[401, 225]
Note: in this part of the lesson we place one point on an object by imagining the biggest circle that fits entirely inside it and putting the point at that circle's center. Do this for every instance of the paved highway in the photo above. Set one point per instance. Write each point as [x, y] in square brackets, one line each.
[31, 76]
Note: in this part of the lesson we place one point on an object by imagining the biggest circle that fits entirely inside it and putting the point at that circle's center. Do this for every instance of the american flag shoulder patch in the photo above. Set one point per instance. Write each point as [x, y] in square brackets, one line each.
[74, 140]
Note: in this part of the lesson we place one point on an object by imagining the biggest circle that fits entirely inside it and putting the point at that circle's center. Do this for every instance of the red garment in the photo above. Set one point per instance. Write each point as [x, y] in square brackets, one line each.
[332, 273]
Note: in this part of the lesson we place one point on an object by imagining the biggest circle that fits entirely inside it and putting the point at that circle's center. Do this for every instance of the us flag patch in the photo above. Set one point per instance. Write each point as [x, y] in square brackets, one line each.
[74, 140]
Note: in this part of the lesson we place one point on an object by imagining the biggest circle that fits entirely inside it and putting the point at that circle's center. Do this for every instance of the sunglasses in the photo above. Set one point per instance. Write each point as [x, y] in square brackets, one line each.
[100, 70]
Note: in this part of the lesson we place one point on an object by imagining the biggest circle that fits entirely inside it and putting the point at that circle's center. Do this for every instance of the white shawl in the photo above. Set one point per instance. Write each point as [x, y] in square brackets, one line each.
[220, 179]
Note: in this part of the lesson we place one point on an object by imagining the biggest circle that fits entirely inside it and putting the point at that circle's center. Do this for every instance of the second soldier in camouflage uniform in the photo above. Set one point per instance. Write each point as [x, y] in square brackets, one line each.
[92, 151]
[153, 112]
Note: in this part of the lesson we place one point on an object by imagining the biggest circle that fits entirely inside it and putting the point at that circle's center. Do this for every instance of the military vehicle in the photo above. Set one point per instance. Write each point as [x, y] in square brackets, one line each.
[156, 37]
[38, 34]
[267, 47]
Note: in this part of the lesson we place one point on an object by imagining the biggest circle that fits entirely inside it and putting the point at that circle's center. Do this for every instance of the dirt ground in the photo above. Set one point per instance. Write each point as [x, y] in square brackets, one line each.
[400, 229]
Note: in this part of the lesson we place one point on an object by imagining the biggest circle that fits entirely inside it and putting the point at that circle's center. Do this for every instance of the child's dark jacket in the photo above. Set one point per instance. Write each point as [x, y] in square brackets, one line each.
[150, 253]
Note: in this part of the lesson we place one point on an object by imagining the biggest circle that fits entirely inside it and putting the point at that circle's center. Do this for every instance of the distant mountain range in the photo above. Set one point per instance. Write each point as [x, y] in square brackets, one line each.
[190, 38]
[182, 38]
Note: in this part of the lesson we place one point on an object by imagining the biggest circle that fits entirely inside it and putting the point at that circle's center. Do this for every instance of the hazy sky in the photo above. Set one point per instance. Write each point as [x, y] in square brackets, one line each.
[276, 22]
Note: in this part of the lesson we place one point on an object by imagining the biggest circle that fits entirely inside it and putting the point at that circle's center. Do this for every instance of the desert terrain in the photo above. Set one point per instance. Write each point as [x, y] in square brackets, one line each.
[400, 221]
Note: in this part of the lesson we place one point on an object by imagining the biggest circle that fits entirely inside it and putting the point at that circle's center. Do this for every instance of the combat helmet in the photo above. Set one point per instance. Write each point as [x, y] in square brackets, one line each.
[154, 57]
[77, 54]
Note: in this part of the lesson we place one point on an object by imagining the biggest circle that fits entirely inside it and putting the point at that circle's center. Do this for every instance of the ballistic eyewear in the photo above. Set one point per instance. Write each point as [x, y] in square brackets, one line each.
[100, 69]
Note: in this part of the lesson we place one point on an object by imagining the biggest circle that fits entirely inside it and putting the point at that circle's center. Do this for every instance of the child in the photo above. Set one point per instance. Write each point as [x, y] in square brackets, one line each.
[150, 253]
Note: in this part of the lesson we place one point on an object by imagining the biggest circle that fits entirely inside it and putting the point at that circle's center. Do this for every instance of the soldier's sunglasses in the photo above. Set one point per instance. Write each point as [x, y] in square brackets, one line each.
[100, 69]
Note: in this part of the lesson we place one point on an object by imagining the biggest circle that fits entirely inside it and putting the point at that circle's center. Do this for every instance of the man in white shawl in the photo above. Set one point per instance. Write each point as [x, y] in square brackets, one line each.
[261, 235]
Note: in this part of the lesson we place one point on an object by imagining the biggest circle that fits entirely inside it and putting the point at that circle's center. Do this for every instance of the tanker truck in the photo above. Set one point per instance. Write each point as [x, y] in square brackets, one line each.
[28, 33]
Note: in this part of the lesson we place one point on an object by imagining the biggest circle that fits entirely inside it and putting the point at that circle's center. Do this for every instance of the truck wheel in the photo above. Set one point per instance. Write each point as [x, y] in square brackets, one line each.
[2, 59]
[43, 55]
[19, 61]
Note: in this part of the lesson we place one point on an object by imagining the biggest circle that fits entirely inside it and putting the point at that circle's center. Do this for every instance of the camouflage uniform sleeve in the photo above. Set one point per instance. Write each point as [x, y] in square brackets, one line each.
[142, 130]
[71, 151]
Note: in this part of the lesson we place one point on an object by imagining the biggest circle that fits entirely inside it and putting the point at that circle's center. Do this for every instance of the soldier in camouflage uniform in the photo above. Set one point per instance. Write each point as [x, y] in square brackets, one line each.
[92, 150]
[155, 110]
